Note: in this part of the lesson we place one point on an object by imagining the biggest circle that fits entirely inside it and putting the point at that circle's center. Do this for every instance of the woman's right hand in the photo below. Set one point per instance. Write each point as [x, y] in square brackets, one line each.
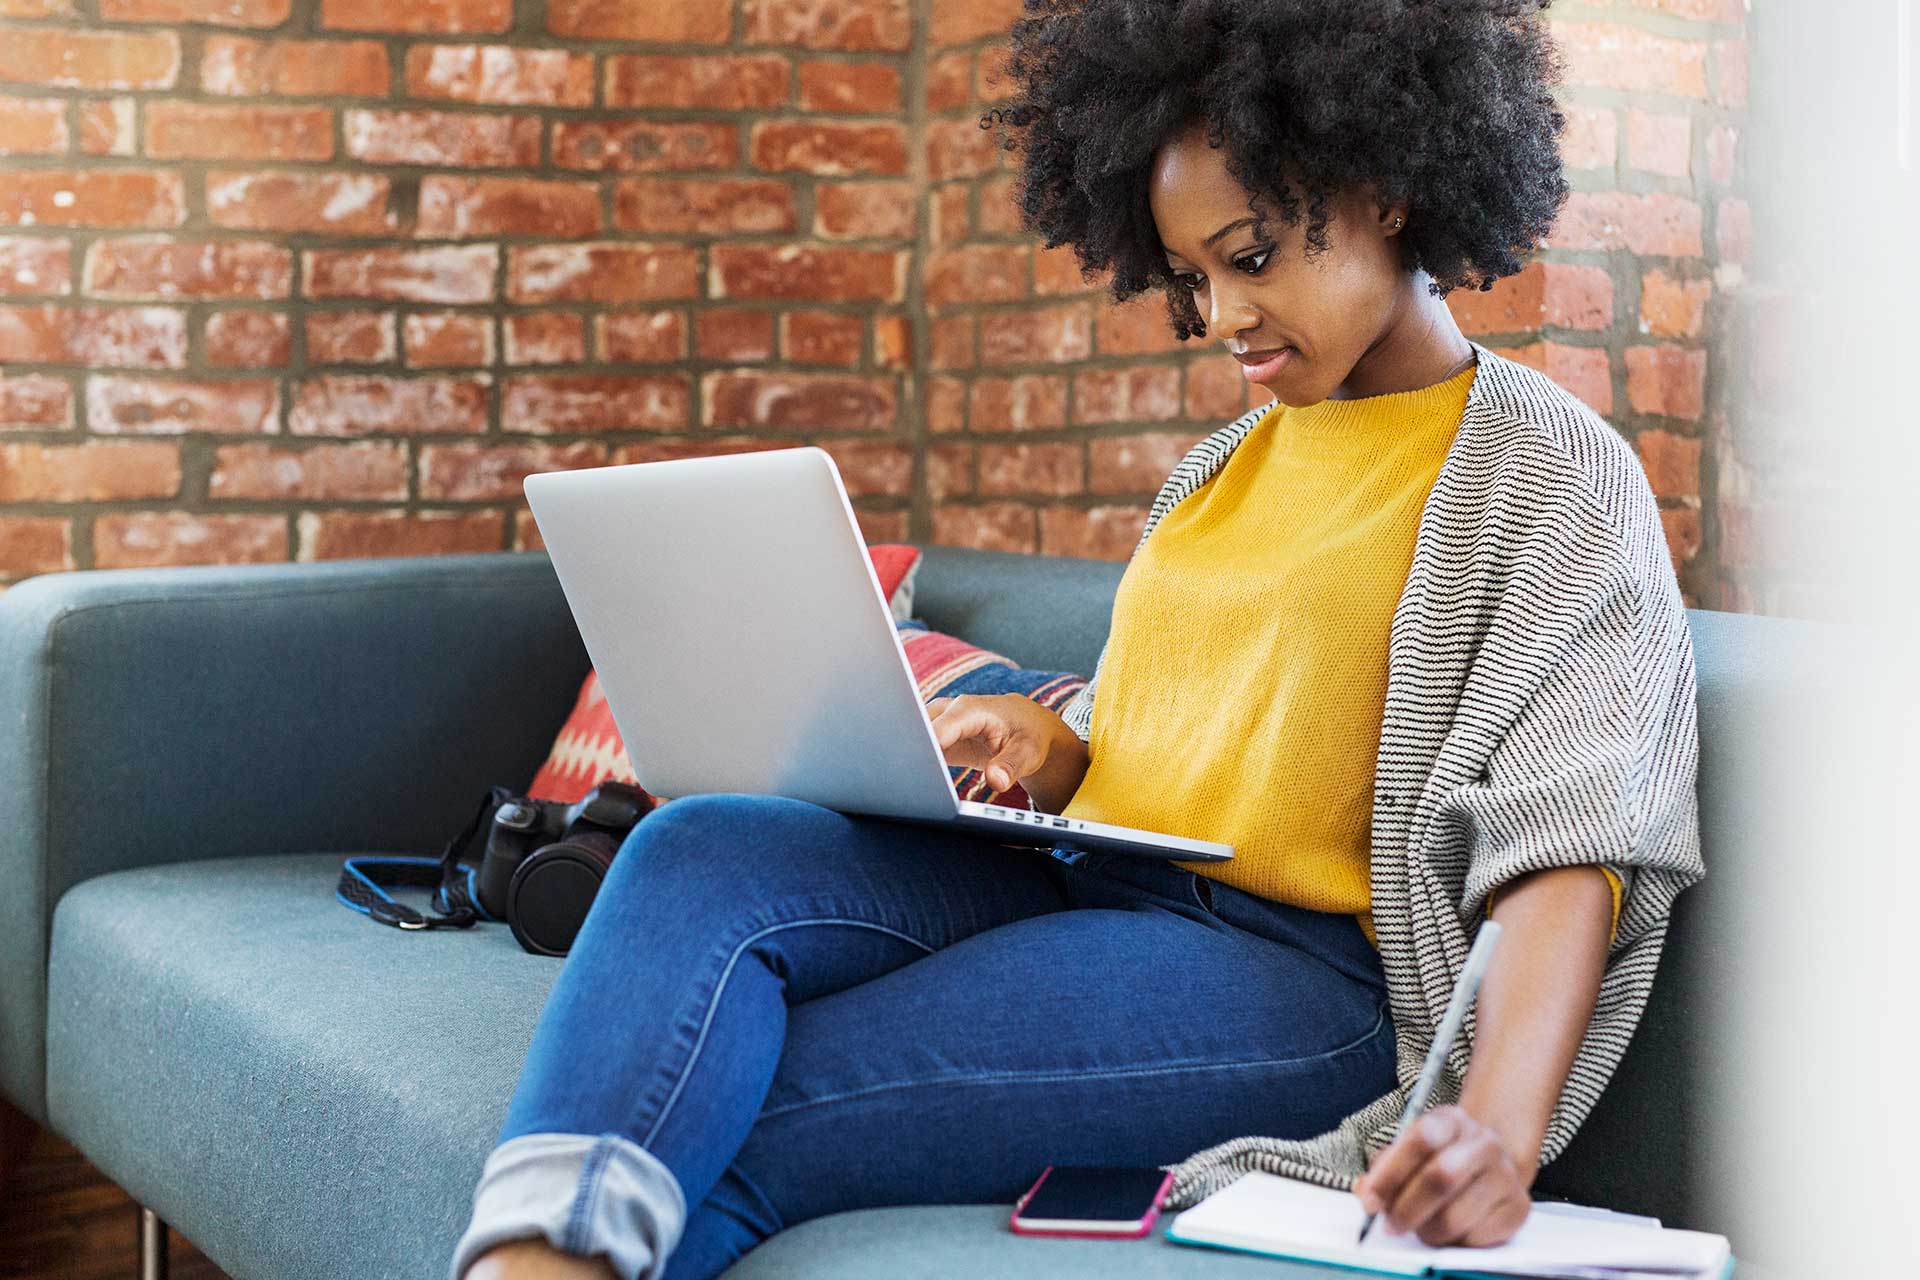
[1007, 736]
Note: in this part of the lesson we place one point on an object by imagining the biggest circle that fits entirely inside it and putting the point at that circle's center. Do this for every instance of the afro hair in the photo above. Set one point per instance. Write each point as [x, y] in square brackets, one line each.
[1443, 104]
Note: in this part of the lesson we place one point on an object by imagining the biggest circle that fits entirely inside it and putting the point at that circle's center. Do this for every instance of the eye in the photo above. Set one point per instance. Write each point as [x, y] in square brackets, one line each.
[1256, 262]
[1188, 280]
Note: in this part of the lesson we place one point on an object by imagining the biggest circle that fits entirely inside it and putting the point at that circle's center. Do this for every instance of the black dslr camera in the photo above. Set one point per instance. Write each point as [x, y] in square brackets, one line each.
[544, 861]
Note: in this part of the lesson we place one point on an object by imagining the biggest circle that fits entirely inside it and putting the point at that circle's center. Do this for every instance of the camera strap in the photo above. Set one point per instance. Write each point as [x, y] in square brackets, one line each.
[364, 882]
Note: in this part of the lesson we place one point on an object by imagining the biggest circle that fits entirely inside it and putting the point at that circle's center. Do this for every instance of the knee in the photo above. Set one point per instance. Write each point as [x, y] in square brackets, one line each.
[706, 833]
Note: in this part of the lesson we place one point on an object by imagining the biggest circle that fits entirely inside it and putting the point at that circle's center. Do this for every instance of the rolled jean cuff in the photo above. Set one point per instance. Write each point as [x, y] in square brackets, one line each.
[585, 1195]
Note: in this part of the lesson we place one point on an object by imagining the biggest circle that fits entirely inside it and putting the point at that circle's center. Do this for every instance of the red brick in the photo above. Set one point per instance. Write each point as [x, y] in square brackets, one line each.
[450, 274]
[1134, 463]
[946, 404]
[641, 337]
[1659, 142]
[1032, 468]
[90, 59]
[248, 339]
[840, 402]
[880, 526]
[36, 8]
[993, 77]
[1667, 380]
[831, 149]
[811, 272]
[118, 337]
[32, 265]
[998, 526]
[705, 206]
[644, 146]
[151, 268]
[441, 17]
[860, 88]
[1682, 527]
[1698, 10]
[325, 203]
[1585, 371]
[35, 544]
[1733, 231]
[733, 335]
[1135, 328]
[1142, 393]
[1000, 209]
[949, 81]
[822, 337]
[859, 25]
[463, 207]
[1673, 308]
[459, 140]
[951, 221]
[488, 472]
[959, 149]
[656, 450]
[544, 337]
[447, 339]
[1097, 533]
[1563, 294]
[949, 471]
[892, 342]
[96, 471]
[196, 131]
[241, 67]
[964, 21]
[106, 127]
[873, 468]
[350, 337]
[1591, 139]
[1611, 56]
[1730, 73]
[500, 74]
[35, 401]
[145, 539]
[365, 535]
[1649, 224]
[865, 210]
[1672, 463]
[219, 13]
[1723, 146]
[731, 83]
[1051, 335]
[343, 405]
[1029, 402]
[976, 273]
[951, 342]
[1216, 388]
[33, 126]
[169, 406]
[679, 22]
[365, 471]
[602, 272]
[106, 198]
[1056, 271]
[545, 403]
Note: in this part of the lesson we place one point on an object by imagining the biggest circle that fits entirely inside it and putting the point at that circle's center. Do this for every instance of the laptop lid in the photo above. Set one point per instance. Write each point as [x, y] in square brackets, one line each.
[739, 632]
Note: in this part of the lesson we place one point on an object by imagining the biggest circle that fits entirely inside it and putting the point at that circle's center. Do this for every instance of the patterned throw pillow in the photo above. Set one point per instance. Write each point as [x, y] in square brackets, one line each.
[589, 749]
[944, 666]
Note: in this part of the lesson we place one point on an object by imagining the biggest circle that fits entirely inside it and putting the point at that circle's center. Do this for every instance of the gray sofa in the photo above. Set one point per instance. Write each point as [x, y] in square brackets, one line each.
[188, 754]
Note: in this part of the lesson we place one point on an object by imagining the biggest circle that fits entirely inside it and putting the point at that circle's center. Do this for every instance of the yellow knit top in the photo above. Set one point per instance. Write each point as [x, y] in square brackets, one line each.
[1245, 674]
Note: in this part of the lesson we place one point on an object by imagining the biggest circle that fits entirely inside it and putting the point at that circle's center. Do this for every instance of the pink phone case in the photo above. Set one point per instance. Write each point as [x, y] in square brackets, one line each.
[1134, 1232]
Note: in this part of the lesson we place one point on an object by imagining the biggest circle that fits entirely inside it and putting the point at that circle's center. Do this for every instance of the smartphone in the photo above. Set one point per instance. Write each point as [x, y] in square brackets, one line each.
[1092, 1200]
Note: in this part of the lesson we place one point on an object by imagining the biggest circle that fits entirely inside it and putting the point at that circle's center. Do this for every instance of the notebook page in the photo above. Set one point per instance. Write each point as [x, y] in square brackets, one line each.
[1554, 1244]
[1295, 1219]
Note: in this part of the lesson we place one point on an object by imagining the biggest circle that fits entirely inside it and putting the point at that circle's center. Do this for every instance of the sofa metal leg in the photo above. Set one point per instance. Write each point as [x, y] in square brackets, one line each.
[153, 1245]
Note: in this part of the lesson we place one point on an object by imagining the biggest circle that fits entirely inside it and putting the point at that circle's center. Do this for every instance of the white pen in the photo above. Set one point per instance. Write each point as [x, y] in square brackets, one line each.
[1478, 957]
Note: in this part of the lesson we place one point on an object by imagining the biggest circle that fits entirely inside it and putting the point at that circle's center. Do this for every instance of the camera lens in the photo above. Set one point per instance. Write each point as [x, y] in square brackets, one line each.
[554, 888]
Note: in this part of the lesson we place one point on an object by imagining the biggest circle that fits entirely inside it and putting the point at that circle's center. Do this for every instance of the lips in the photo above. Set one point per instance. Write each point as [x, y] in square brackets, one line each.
[1261, 365]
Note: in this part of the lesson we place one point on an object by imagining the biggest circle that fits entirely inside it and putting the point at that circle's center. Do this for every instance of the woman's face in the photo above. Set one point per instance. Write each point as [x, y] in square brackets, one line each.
[1297, 325]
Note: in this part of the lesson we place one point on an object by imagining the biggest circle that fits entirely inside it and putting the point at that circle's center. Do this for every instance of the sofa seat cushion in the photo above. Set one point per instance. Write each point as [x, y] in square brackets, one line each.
[307, 1094]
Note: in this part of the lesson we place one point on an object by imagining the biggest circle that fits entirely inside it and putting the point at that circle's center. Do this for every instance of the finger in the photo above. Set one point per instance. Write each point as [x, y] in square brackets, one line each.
[1011, 765]
[1459, 1217]
[1505, 1218]
[1403, 1156]
[1448, 1173]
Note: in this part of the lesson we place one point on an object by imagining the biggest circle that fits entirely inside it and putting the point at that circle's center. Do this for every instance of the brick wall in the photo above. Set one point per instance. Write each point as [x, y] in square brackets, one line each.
[300, 279]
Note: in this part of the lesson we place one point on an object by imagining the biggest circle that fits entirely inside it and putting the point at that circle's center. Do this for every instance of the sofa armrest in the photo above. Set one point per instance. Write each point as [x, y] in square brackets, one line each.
[157, 715]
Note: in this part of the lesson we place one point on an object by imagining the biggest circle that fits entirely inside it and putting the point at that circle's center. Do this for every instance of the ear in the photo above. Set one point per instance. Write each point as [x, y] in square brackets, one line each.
[1392, 218]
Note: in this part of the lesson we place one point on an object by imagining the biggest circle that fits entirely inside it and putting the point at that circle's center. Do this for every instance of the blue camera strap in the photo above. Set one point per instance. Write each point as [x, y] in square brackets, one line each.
[365, 882]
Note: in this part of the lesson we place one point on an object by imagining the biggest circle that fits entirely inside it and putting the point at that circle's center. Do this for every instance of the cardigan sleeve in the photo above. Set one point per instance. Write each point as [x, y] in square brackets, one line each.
[1077, 711]
[1598, 767]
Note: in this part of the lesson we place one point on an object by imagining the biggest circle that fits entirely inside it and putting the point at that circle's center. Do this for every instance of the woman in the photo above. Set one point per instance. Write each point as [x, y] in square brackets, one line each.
[1408, 638]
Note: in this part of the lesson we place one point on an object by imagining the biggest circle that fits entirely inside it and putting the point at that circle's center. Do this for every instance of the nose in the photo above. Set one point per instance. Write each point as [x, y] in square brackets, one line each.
[1230, 313]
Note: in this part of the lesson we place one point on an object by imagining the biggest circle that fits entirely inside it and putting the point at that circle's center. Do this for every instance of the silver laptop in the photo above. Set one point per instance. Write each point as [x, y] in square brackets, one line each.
[744, 645]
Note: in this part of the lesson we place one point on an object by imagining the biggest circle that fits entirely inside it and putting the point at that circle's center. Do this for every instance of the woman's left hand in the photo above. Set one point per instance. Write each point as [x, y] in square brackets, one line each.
[1448, 1179]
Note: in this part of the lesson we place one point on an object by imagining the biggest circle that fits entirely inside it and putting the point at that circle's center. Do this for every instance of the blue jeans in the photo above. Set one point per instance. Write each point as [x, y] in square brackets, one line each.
[776, 1011]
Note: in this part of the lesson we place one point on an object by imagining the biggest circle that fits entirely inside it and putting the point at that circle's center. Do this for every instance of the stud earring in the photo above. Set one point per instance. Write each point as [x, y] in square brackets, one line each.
[1397, 222]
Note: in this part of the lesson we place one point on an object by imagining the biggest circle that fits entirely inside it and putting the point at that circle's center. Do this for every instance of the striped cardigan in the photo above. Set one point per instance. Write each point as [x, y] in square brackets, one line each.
[1539, 713]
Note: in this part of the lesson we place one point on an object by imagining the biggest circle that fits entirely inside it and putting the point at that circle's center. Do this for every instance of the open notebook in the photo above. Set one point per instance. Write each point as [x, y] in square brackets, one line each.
[1260, 1213]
